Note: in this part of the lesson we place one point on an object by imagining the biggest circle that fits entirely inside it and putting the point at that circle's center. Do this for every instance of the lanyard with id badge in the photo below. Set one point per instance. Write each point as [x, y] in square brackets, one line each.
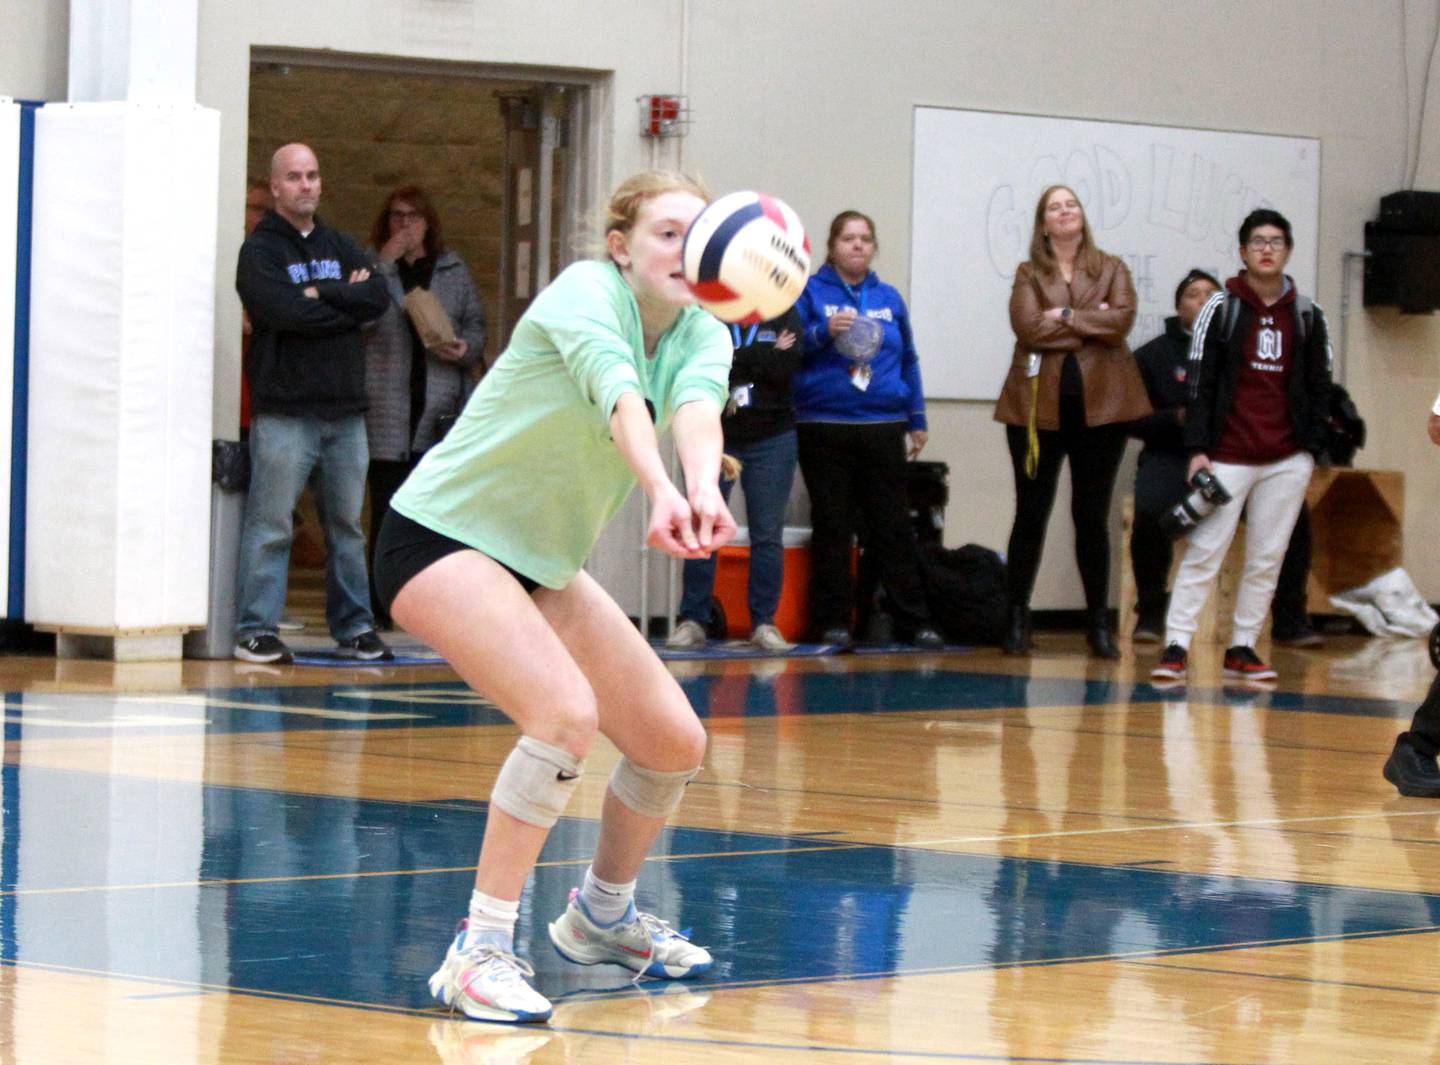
[1032, 430]
[860, 342]
[741, 396]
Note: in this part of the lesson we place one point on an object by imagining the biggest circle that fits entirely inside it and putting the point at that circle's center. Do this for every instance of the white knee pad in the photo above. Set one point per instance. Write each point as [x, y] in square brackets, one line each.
[649, 791]
[536, 782]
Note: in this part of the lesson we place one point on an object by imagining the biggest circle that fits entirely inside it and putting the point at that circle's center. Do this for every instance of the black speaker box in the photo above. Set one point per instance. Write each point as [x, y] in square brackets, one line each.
[1402, 269]
[1410, 212]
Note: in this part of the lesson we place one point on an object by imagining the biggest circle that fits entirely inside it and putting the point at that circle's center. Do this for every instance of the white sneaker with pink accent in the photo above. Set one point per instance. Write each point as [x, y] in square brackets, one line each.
[488, 984]
[638, 941]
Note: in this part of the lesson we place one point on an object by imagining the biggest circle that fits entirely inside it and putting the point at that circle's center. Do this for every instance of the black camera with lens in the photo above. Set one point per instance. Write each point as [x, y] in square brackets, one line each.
[1206, 493]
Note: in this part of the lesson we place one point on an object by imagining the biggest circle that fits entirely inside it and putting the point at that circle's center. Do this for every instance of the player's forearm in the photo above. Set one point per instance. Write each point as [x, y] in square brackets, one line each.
[634, 434]
[700, 442]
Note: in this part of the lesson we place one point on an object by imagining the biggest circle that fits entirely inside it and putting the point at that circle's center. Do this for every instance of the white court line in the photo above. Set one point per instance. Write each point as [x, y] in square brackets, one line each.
[141, 721]
[1185, 826]
[204, 701]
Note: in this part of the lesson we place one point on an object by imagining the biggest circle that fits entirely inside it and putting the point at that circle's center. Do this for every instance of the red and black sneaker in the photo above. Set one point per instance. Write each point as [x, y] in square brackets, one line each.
[1243, 662]
[1172, 663]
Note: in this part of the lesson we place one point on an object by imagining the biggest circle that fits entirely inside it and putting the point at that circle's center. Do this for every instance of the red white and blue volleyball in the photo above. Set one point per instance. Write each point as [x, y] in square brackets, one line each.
[746, 257]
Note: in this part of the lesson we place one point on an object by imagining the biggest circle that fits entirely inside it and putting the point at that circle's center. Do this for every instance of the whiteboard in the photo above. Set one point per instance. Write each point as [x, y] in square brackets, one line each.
[1163, 198]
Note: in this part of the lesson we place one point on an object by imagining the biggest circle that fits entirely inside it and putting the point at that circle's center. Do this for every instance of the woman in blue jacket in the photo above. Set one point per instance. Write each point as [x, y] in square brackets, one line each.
[857, 396]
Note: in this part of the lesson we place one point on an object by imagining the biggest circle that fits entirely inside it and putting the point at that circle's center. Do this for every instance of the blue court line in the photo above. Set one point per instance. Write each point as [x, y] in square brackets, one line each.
[447, 704]
[793, 910]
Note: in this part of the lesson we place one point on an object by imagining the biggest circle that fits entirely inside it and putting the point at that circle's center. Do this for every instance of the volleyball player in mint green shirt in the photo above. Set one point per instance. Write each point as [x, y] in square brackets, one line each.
[481, 556]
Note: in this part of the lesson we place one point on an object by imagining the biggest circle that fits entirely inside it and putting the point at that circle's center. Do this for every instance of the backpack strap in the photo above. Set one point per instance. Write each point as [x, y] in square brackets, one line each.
[1232, 315]
[1304, 315]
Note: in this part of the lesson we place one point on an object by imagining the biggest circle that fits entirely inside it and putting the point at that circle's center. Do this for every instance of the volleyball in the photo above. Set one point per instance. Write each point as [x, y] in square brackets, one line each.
[746, 257]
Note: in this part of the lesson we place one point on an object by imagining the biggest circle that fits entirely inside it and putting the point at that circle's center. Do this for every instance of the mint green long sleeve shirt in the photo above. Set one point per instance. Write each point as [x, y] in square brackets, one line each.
[529, 474]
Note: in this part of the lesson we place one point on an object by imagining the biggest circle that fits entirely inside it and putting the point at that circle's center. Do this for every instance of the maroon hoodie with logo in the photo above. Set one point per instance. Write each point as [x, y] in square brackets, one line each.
[1260, 428]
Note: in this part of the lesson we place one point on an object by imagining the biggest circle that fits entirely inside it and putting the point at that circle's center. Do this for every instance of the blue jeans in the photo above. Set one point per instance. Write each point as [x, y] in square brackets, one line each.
[284, 451]
[766, 477]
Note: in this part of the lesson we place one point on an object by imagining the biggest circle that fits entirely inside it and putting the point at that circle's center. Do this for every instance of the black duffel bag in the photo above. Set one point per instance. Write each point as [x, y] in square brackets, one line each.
[965, 587]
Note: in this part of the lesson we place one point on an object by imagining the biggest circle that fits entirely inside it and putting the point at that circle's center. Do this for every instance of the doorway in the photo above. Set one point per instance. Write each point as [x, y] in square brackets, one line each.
[509, 158]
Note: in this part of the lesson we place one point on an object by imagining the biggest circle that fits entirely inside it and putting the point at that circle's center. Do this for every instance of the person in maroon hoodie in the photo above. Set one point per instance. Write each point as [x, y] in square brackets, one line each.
[1259, 386]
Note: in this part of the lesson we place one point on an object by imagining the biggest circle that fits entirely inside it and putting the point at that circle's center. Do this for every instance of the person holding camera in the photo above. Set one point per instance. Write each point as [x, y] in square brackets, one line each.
[1259, 378]
[1411, 766]
[1160, 482]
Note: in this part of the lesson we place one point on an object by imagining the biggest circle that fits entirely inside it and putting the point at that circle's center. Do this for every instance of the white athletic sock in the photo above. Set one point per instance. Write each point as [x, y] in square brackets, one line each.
[606, 903]
[492, 922]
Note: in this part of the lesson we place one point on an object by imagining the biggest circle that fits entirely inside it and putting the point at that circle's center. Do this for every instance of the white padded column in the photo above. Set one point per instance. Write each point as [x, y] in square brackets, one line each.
[122, 312]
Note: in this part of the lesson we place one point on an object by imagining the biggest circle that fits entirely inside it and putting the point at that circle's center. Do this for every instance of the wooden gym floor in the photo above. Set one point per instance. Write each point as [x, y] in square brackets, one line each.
[951, 857]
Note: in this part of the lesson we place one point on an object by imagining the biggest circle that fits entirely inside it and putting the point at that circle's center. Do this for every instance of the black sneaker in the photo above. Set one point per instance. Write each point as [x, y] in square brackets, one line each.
[1243, 662]
[264, 648]
[927, 639]
[1412, 773]
[1148, 630]
[1172, 663]
[367, 646]
[1304, 636]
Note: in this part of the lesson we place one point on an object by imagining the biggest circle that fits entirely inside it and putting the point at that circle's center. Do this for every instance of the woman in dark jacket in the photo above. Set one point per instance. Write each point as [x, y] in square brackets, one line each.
[759, 427]
[1071, 390]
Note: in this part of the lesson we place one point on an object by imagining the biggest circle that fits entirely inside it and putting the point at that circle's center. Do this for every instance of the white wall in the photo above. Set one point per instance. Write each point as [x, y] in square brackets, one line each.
[828, 125]
[34, 41]
[815, 105]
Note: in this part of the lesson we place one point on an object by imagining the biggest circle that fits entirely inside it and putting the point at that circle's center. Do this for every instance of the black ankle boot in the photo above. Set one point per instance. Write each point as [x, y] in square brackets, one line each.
[1097, 633]
[1017, 632]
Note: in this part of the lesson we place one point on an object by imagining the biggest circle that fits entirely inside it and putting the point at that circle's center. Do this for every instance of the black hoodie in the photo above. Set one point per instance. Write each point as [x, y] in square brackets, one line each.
[306, 355]
[1163, 363]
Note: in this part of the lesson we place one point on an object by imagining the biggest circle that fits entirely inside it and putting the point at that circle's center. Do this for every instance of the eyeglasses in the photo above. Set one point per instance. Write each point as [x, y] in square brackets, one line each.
[406, 216]
[1265, 243]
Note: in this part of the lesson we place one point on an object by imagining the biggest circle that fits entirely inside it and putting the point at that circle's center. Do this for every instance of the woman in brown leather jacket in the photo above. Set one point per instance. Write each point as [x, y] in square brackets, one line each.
[1072, 387]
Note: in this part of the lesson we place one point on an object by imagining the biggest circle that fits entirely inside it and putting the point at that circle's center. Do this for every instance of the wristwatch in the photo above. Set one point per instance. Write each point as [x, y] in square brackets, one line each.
[1065, 313]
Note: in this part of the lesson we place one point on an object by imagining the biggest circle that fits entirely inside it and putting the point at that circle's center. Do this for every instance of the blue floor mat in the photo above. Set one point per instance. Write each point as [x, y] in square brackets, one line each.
[908, 649]
[744, 649]
[333, 659]
[741, 649]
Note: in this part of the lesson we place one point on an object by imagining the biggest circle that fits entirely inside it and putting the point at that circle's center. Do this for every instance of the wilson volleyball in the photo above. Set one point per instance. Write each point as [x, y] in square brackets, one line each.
[746, 257]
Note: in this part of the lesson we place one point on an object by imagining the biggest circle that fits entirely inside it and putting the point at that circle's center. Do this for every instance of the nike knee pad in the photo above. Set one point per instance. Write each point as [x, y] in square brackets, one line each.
[536, 782]
[650, 792]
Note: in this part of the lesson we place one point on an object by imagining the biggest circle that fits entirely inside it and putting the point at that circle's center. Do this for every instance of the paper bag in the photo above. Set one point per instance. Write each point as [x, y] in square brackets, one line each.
[428, 317]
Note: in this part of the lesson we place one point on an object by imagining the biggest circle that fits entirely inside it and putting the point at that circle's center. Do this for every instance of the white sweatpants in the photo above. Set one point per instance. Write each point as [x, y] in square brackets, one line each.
[1275, 492]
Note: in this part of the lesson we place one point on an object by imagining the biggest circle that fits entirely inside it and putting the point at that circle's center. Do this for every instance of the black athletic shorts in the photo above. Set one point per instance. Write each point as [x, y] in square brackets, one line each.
[406, 547]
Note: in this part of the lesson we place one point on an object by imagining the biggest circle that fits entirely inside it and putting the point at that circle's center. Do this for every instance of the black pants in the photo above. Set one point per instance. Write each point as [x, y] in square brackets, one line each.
[856, 478]
[385, 477]
[1424, 734]
[1159, 485]
[1094, 453]
[1289, 611]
